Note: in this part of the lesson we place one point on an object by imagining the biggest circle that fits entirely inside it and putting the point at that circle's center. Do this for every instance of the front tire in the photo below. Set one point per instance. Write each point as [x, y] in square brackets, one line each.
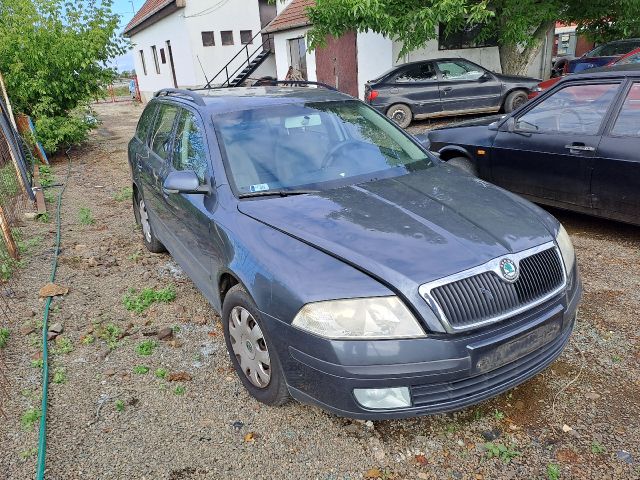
[250, 349]
[515, 100]
[142, 219]
[401, 114]
[464, 164]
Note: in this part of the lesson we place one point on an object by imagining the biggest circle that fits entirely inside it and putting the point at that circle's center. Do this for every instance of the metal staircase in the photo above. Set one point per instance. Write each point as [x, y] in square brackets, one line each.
[227, 77]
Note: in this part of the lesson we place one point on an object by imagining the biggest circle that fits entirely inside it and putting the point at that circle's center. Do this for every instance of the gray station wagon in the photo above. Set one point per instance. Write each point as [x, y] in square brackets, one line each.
[352, 269]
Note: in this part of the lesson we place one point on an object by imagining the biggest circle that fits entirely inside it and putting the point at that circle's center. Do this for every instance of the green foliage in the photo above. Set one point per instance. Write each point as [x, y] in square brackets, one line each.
[597, 447]
[38, 363]
[500, 451]
[553, 472]
[9, 186]
[63, 346]
[85, 217]
[110, 333]
[4, 337]
[119, 405]
[88, 339]
[146, 348]
[180, 390]
[123, 194]
[59, 376]
[46, 177]
[140, 369]
[31, 452]
[30, 418]
[54, 55]
[497, 414]
[161, 373]
[140, 302]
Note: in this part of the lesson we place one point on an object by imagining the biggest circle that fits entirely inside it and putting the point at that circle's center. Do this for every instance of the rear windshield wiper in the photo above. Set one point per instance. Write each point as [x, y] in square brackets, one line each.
[276, 193]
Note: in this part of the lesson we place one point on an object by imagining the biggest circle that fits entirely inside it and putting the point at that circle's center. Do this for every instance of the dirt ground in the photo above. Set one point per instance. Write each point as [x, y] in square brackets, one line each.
[108, 419]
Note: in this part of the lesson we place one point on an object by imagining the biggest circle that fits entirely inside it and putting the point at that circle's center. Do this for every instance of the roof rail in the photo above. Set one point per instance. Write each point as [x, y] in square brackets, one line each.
[267, 82]
[194, 97]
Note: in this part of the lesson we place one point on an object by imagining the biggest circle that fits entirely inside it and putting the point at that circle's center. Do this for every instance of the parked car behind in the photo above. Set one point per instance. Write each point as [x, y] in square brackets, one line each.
[599, 56]
[630, 58]
[443, 87]
[575, 147]
[351, 268]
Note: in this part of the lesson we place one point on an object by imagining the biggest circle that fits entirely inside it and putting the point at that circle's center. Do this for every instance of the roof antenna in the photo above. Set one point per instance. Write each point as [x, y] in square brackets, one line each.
[203, 72]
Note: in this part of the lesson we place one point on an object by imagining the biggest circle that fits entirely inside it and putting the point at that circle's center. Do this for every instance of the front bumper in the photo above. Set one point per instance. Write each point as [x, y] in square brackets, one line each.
[443, 372]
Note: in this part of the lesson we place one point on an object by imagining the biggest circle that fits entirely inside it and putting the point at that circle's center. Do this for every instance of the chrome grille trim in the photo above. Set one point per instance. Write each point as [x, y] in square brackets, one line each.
[481, 277]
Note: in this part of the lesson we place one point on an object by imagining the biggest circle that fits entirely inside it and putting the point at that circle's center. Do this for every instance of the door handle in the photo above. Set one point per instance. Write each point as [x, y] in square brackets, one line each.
[447, 89]
[580, 148]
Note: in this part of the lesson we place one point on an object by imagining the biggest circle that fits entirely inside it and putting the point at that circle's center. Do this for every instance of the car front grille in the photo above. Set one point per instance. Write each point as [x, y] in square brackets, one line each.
[484, 296]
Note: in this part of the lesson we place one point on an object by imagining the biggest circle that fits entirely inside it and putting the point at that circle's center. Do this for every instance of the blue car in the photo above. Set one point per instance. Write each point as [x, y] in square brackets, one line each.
[351, 268]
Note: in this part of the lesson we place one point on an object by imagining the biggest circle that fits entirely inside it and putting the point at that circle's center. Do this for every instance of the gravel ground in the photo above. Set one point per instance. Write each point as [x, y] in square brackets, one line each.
[107, 420]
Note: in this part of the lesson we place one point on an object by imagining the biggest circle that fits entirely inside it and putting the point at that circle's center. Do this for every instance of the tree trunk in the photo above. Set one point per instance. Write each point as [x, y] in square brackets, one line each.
[515, 60]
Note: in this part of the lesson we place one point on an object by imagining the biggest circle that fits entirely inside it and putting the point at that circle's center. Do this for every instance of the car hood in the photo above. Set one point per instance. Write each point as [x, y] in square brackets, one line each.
[517, 79]
[586, 63]
[410, 229]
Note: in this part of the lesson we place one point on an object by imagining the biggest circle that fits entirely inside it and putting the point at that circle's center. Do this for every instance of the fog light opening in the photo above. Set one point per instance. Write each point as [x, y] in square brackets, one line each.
[379, 398]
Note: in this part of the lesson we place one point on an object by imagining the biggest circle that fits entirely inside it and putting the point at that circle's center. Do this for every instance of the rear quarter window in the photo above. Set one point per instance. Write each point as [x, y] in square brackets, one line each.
[145, 122]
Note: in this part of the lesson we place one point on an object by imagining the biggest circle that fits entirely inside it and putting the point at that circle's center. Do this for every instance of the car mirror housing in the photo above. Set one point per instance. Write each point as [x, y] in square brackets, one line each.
[509, 125]
[183, 182]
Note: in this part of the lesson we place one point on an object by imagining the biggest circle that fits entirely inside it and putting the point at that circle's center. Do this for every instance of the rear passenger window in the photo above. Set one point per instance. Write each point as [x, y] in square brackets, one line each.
[145, 122]
[189, 146]
[422, 72]
[161, 136]
[628, 121]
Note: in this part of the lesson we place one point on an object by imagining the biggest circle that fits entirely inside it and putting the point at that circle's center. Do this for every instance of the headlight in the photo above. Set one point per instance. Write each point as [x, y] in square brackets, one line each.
[370, 318]
[566, 249]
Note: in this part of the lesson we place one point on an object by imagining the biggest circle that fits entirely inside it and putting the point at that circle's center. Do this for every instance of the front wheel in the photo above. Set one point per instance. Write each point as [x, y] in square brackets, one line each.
[401, 114]
[515, 100]
[250, 349]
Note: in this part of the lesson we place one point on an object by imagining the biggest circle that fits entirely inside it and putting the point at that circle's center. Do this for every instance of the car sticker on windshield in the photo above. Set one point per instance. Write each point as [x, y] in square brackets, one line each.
[260, 187]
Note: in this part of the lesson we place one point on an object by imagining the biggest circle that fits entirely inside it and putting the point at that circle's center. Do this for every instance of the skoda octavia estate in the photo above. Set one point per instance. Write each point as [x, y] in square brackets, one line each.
[352, 269]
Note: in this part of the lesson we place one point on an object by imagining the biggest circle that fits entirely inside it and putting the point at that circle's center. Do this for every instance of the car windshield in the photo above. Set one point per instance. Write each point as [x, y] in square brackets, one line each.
[313, 146]
[613, 48]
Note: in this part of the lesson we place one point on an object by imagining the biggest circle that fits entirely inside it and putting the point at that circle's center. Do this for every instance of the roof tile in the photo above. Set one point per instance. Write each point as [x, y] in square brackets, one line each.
[293, 16]
[149, 8]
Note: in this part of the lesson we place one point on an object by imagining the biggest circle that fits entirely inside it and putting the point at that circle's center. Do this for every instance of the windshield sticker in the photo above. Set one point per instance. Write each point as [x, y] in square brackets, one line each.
[260, 187]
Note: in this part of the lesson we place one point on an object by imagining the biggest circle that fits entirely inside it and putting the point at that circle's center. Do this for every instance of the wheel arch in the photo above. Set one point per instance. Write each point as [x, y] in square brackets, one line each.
[451, 151]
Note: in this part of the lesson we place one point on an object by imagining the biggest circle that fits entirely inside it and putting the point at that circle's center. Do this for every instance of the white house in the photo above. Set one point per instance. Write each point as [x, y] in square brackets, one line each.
[350, 61]
[185, 43]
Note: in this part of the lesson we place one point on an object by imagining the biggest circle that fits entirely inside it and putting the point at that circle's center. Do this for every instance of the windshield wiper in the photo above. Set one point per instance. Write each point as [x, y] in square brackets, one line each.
[276, 193]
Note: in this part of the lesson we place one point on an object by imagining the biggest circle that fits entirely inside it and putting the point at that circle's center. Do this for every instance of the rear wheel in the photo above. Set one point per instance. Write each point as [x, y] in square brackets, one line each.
[515, 100]
[142, 218]
[250, 349]
[401, 114]
[464, 164]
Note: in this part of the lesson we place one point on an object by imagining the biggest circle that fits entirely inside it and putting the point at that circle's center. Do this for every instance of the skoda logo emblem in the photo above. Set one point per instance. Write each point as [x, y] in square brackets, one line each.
[508, 269]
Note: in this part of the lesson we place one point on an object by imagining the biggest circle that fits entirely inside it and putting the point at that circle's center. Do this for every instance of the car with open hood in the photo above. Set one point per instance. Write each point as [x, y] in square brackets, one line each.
[351, 268]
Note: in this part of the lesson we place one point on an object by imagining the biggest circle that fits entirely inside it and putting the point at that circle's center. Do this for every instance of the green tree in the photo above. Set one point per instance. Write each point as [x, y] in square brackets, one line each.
[519, 25]
[54, 56]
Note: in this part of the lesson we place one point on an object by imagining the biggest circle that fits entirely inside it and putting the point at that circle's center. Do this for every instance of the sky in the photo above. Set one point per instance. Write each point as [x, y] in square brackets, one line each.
[125, 8]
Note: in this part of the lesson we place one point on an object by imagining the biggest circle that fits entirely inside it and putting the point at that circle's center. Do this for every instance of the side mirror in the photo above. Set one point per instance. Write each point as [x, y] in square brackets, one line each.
[184, 182]
[509, 125]
[485, 77]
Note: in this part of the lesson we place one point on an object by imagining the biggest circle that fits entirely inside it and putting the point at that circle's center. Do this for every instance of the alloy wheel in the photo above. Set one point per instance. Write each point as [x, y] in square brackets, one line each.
[250, 347]
[144, 220]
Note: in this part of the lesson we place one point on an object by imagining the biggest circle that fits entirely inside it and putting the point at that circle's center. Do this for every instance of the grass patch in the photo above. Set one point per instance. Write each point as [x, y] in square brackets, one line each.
[119, 405]
[146, 348]
[123, 194]
[39, 363]
[31, 452]
[30, 418]
[63, 346]
[140, 369]
[110, 333]
[139, 302]
[4, 337]
[180, 390]
[85, 217]
[597, 448]
[161, 373]
[59, 376]
[88, 339]
[553, 472]
[500, 451]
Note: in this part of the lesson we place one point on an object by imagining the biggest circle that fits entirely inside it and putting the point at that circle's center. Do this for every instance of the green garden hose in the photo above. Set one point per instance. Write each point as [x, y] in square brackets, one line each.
[42, 433]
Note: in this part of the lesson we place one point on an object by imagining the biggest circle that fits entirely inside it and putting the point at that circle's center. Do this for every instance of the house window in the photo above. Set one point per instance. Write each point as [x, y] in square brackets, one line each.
[144, 64]
[154, 50]
[226, 37]
[246, 37]
[208, 39]
[469, 37]
[163, 57]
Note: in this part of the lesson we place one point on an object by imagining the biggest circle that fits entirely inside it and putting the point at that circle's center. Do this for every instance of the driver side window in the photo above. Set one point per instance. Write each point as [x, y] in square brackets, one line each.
[189, 149]
[455, 70]
[573, 109]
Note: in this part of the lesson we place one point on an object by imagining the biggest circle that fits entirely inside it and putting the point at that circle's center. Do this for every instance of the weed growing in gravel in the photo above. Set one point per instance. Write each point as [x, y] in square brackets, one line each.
[139, 302]
[4, 337]
[616, 359]
[597, 447]
[88, 339]
[498, 415]
[146, 348]
[161, 373]
[110, 333]
[44, 217]
[37, 363]
[553, 472]
[135, 256]
[500, 451]
[85, 217]
[28, 453]
[140, 369]
[123, 194]
[46, 177]
[180, 390]
[63, 346]
[119, 405]
[49, 196]
[59, 376]
[30, 418]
